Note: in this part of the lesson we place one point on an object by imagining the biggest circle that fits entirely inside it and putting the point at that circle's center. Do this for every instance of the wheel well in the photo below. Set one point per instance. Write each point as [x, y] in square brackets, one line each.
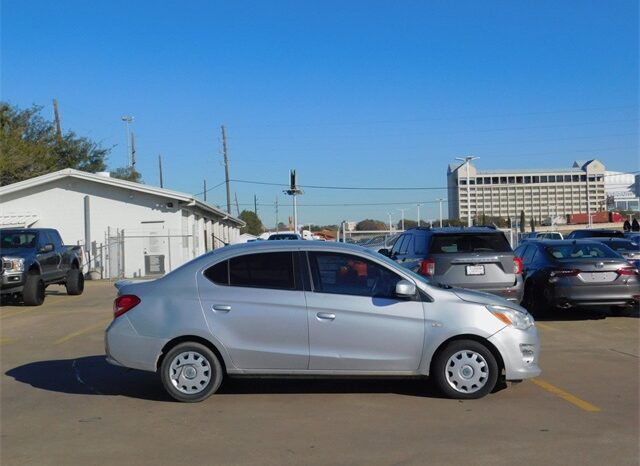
[34, 270]
[75, 265]
[194, 339]
[483, 341]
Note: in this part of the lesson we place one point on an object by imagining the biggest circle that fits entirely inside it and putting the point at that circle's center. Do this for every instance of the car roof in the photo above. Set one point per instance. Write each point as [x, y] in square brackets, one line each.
[563, 242]
[454, 230]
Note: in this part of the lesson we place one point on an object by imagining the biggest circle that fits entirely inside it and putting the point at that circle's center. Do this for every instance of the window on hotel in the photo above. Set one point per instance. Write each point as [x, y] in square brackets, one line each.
[536, 179]
[512, 180]
[527, 179]
[503, 180]
[567, 178]
[518, 179]
[575, 178]
[487, 180]
[543, 179]
[494, 180]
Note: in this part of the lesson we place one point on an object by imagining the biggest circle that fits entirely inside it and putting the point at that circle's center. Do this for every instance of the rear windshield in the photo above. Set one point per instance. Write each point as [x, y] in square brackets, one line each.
[469, 242]
[17, 239]
[601, 234]
[622, 246]
[581, 251]
[281, 237]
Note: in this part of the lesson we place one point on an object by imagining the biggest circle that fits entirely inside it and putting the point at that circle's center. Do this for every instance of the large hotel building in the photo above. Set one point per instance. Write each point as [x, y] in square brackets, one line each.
[540, 193]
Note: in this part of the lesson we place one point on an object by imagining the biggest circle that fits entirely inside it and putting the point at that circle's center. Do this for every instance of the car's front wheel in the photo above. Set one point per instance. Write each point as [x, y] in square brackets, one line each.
[465, 369]
[33, 291]
[191, 372]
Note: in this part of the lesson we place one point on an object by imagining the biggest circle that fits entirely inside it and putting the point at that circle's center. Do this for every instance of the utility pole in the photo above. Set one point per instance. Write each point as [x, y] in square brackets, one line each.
[237, 205]
[418, 206]
[255, 205]
[294, 191]
[440, 201]
[205, 190]
[160, 168]
[127, 121]
[56, 114]
[226, 170]
[133, 151]
[277, 223]
[467, 160]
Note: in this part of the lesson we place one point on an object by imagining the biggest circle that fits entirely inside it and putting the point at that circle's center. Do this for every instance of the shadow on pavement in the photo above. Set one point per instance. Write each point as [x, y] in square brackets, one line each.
[93, 375]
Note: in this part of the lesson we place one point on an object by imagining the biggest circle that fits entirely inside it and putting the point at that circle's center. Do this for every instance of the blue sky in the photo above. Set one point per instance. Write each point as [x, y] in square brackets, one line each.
[349, 93]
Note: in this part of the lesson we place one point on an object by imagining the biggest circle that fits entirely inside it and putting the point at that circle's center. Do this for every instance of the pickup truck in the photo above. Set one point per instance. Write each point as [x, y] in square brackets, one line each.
[35, 258]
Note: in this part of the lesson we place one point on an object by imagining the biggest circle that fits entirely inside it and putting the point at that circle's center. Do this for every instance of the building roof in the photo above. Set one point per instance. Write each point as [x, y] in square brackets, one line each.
[118, 183]
[579, 166]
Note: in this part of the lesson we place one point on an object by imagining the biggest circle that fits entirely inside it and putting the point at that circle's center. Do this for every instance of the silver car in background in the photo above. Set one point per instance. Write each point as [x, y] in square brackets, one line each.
[287, 308]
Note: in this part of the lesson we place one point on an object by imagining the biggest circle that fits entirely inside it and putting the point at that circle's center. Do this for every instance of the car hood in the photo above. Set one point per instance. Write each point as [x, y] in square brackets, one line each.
[16, 252]
[480, 297]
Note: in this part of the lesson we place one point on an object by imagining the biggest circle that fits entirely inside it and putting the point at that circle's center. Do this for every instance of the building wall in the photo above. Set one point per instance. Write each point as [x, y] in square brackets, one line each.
[540, 194]
[152, 225]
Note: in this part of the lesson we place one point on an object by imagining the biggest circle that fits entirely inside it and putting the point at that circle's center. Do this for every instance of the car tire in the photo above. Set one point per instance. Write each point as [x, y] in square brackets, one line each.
[33, 291]
[465, 369]
[191, 372]
[74, 282]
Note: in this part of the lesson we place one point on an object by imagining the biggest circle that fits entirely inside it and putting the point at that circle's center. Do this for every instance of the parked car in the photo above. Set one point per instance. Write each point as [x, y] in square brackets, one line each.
[284, 236]
[595, 233]
[576, 273]
[633, 236]
[35, 258]
[301, 308]
[479, 258]
[542, 235]
[625, 247]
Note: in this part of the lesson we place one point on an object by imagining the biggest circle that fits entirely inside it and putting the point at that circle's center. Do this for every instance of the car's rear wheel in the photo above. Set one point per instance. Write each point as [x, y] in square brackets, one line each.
[191, 372]
[33, 291]
[465, 369]
[74, 282]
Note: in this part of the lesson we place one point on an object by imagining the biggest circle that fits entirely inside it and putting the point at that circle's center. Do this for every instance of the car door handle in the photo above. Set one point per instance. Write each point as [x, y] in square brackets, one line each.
[221, 307]
[325, 316]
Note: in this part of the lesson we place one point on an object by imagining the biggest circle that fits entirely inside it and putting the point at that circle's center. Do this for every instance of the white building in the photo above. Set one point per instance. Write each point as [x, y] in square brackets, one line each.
[129, 229]
[540, 192]
[621, 190]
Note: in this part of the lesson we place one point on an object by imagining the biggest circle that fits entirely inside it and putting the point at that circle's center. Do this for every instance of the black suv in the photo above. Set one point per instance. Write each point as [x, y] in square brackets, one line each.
[479, 258]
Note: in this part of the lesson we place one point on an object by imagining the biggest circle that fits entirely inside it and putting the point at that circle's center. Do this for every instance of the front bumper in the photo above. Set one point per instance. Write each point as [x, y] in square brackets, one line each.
[11, 282]
[520, 351]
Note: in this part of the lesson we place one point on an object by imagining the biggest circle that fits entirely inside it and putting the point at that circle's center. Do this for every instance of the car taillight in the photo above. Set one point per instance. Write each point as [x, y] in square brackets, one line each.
[428, 267]
[518, 267]
[628, 271]
[124, 303]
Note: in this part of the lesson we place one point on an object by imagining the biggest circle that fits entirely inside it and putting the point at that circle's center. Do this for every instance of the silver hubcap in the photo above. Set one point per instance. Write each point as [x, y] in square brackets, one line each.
[190, 372]
[467, 371]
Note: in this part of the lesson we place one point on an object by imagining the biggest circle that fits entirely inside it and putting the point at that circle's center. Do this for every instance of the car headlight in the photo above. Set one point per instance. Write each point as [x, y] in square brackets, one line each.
[13, 264]
[510, 316]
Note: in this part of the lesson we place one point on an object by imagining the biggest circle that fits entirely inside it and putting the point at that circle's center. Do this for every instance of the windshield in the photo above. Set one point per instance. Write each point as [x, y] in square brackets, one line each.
[18, 239]
[581, 251]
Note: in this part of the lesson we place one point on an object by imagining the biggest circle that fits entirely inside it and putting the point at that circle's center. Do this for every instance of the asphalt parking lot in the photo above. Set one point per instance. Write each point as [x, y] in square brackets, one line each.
[63, 404]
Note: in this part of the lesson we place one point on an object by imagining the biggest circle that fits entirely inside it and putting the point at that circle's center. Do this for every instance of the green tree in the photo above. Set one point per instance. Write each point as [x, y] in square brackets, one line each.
[30, 146]
[532, 224]
[407, 224]
[369, 224]
[127, 173]
[522, 221]
[253, 223]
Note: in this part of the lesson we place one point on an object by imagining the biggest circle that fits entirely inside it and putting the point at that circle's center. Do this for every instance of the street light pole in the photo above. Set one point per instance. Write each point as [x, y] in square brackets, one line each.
[402, 218]
[389, 222]
[467, 159]
[418, 206]
[127, 120]
[440, 201]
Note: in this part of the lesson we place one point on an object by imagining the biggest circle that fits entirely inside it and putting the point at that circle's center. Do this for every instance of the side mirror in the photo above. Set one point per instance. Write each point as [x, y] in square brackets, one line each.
[47, 247]
[405, 289]
[385, 252]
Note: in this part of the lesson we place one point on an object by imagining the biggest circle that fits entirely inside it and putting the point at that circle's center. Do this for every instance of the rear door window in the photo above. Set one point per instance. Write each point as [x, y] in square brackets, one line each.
[469, 242]
[274, 270]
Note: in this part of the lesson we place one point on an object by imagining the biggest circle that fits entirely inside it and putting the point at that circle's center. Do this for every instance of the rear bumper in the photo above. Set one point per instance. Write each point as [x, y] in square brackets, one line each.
[615, 294]
[512, 293]
[125, 347]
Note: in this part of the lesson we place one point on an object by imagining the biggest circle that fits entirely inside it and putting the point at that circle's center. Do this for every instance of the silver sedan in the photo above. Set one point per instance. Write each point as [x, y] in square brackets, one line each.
[300, 308]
